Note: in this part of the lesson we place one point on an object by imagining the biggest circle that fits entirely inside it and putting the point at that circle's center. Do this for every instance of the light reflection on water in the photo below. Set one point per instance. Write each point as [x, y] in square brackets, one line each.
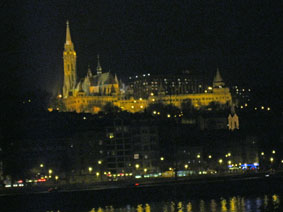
[233, 204]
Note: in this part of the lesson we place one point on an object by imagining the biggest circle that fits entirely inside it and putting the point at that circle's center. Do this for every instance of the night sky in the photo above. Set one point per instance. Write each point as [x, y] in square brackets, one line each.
[242, 38]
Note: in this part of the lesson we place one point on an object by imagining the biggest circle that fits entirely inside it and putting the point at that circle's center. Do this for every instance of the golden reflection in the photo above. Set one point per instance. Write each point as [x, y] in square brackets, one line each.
[99, 209]
[180, 207]
[139, 208]
[233, 204]
[147, 208]
[202, 206]
[189, 207]
[275, 199]
[223, 205]
[213, 206]
[172, 206]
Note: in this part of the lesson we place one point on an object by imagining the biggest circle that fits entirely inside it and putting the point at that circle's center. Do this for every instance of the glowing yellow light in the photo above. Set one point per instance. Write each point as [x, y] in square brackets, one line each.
[50, 176]
[246, 105]
[281, 161]
[271, 159]
[170, 169]
[153, 100]
[168, 115]
[140, 99]
[56, 177]
[90, 169]
[97, 174]
[209, 156]
[262, 107]
[50, 171]
[220, 161]
[229, 162]
[262, 153]
[137, 166]
[141, 106]
[99, 162]
[158, 113]
[198, 156]
[145, 170]
[151, 94]
[229, 154]
[50, 109]
[132, 106]
[135, 101]
[162, 158]
[242, 106]
[60, 96]
[268, 108]
[41, 165]
[186, 166]
[209, 88]
[154, 112]
[273, 151]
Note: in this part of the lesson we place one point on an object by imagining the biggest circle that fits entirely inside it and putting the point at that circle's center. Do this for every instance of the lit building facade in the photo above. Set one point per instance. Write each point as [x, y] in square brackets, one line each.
[92, 92]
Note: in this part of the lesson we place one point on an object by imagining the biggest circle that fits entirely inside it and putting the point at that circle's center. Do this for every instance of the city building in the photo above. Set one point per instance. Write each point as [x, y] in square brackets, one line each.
[92, 92]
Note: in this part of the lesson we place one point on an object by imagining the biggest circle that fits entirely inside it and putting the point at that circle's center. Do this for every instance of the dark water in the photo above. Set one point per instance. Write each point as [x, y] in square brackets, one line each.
[223, 204]
[232, 204]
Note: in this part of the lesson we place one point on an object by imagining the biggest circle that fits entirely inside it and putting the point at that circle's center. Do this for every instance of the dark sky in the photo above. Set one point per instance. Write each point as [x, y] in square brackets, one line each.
[242, 38]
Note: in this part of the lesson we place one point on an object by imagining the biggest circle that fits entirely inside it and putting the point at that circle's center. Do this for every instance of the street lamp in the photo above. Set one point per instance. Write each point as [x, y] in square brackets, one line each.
[99, 162]
[220, 161]
[41, 165]
[145, 170]
[137, 166]
[262, 153]
[50, 171]
[273, 152]
[162, 158]
[271, 159]
[90, 169]
[186, 166]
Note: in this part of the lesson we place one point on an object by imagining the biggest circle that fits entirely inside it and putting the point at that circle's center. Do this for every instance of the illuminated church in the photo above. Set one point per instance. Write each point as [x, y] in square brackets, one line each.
[92, 92]
[99, 84]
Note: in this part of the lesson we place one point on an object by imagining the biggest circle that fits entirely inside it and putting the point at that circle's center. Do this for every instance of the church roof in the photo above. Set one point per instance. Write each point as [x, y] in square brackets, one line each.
[102, 79]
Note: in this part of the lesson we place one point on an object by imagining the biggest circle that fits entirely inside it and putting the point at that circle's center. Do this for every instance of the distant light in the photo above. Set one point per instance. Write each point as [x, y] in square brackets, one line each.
[140, 99]
[271, 159]
[154, 112]
[281, 161]
[41, 165]
[186, 166]
[255, 108]
[229, 154]
[145, 170]
[262, 107]
[162, 158]
[99, 162]
[130, 77]
[90, 169]
[242, 106]
[209, 156]
[262, 153]
[229, 162]
[151, 94]
[143, 75]
[141, 106]
[50, 171]
[168, 115]
[97, 174]
[148, 74]
[137, 76]
[198, 155]
[209, 88]
[132, 106]
[56, 177]
[246, 105]
[268, 108]
[273, 151]
[29, 100]
[220, 161]
[137, 166]
[84, 118]
[60, 96]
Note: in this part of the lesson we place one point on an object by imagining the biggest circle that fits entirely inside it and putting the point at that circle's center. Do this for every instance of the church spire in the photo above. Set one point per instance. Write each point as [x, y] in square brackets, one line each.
[218, 81]
[68, 34]
[98, 68]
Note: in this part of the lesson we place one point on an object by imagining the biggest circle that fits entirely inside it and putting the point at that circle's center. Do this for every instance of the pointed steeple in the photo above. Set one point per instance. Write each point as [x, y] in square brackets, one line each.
[89, 73]
[98, 68]
[68, 34]
[69, 46]
[218, 81]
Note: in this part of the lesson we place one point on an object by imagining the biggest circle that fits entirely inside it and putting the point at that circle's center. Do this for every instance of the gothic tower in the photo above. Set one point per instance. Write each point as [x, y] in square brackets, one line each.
[70, 72]
[98, 68]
